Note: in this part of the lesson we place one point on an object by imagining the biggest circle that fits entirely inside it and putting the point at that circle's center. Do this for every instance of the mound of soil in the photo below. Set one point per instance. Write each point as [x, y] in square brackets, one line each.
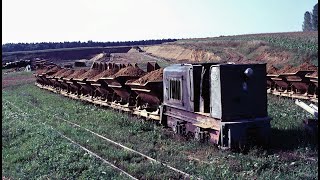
[314, 74]
[66, 73]
[303, 67]
[89, 74]
[44, 69]
[129, 71]
[156, 75]
[58, 73]
[306, 66]
[53, 70]
[76, 73]
[105, 73]
[285, 69]
[272, 70]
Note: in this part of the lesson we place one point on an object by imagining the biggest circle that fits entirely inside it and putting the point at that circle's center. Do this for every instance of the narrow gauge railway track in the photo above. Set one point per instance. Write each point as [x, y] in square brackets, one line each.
[75, 143]
[294, 96]
[186, 175]
[286, 94]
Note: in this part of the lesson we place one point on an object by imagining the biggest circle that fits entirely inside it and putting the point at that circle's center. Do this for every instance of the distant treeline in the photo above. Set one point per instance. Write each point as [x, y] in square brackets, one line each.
[310, 22]
[10, 47]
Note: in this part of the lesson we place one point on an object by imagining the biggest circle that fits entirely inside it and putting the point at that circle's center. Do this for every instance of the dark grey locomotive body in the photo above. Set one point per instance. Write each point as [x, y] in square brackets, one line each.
[223, 103]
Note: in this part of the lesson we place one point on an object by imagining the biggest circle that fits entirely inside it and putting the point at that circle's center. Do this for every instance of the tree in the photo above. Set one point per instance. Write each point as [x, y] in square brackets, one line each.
[307, 24]
[315, 17]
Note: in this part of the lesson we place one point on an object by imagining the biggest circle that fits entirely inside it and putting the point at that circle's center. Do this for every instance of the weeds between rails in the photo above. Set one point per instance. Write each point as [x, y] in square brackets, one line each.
[26, 115]
[72, 124]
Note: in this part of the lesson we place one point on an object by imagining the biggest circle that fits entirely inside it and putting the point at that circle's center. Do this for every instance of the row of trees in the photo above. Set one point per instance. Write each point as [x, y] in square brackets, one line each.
[10, 47]
[311, 20]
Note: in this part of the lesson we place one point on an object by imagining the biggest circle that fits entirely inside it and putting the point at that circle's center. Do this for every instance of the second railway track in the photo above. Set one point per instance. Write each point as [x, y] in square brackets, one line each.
[116, 167]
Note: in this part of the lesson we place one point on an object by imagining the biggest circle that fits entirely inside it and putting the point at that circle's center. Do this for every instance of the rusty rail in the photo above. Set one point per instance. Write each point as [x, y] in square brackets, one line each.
[75, 143]
[113, 142]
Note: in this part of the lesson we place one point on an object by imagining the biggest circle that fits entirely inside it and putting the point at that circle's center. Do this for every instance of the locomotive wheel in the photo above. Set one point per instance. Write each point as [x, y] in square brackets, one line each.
[179, 129]
[201, 136]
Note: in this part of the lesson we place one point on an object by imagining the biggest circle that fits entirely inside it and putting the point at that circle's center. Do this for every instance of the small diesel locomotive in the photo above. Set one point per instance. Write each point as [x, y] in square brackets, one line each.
[222, 103]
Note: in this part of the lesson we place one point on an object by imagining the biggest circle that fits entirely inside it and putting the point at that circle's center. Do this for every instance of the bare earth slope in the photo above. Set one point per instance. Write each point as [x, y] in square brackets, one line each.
[180, 53]
[277, 49]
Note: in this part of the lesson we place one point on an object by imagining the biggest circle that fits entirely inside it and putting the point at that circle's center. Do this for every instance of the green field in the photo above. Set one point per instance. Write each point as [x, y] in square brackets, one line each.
[33, 147]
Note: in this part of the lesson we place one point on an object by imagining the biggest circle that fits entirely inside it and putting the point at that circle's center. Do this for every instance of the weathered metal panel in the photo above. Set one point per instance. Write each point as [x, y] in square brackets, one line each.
[215, 96]
[182, 73]
[200, 120]
[235, 95]
[150, 92]
[245, 132]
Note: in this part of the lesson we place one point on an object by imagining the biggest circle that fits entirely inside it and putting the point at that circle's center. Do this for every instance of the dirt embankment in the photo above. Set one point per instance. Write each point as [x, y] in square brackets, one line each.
[97, 57]
[306, 66]
[251, 51]
[175, 52]
[101, 57]
[263, 54]
[244, 52]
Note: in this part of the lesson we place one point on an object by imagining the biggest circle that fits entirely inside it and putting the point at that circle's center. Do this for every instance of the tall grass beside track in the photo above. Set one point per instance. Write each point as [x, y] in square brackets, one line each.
[33, 150]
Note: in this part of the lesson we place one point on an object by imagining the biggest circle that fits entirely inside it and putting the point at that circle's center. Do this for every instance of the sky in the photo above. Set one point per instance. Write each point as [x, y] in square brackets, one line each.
[128, 20]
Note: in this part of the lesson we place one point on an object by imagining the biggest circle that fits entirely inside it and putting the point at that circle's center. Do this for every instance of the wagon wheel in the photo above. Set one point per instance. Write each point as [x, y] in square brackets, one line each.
[174, 129]
[189, 135]
[138, 101]
[201, 135]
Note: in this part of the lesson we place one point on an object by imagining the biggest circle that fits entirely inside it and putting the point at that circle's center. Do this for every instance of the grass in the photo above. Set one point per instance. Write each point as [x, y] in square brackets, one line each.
[33, 150]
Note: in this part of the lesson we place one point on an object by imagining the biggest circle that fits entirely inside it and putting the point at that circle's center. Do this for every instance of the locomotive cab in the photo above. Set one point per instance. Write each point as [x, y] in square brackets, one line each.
[225, 104]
